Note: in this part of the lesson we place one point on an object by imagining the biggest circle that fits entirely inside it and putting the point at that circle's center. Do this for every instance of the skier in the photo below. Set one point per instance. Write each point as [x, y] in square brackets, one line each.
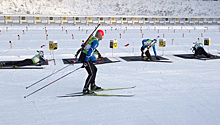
[199, 50]
[146, 44]
[37, 60]
[85, 58]
[95, 56]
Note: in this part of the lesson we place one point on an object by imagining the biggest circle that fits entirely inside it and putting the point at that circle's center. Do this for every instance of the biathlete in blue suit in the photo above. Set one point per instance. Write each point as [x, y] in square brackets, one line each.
[146, 44]
[87, 60]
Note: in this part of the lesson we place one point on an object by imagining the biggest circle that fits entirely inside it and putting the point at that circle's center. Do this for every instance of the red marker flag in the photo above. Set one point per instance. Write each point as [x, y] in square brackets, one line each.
[126, 45]
[42, 46]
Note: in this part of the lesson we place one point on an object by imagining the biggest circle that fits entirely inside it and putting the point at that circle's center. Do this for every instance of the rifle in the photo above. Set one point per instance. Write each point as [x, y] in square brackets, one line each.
[151, 44]
[89, 38]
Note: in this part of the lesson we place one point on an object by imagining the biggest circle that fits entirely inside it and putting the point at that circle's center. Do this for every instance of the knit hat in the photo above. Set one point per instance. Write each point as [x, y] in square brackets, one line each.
[41, 53]
[99, 34]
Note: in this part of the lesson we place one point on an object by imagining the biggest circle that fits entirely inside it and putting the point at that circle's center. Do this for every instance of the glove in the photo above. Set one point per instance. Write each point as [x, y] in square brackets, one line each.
[73, 61]
[85, 64]
[157, 58]
[99, 62]
[38, 64]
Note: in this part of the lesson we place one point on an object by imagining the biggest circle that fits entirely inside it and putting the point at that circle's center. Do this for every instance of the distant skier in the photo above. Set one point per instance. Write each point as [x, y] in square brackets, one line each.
[199, 50]
[36, 60]
[146, 44]
[85, 58]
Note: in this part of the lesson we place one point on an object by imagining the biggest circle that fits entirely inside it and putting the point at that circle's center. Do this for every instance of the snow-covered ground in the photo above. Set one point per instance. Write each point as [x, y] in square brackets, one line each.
[185, 92]
[112, 7]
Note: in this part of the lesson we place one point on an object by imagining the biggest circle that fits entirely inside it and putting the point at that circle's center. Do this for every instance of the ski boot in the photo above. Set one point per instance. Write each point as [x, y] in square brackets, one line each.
[87, 91]
[95, 87]
[2, 64]
[15, 67]
[146, 59]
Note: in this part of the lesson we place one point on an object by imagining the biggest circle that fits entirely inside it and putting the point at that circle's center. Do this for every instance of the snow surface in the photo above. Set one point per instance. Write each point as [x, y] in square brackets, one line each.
[185, 92]
[112, 7]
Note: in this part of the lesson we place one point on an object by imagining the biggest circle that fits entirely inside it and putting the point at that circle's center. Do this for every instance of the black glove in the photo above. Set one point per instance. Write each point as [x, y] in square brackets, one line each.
[85, 64]
[157, 58]
[99, 62]
[38, 64]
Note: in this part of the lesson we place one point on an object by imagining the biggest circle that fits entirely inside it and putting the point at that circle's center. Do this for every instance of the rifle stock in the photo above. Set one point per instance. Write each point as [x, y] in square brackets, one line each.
[89, 38]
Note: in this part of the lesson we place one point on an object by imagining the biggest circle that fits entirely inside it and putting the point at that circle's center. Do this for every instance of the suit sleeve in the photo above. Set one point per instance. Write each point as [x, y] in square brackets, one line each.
[77, 53]
[42, 59]
[93, 59]
[143, 44]
[155, 52]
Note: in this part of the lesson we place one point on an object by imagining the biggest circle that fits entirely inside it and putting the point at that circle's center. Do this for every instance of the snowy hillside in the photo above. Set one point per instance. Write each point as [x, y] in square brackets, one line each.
[112, 7]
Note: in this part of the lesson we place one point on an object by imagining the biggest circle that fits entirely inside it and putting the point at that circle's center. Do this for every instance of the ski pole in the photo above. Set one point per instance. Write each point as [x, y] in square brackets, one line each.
[50, 74]
[51, 82]
[47, 76]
